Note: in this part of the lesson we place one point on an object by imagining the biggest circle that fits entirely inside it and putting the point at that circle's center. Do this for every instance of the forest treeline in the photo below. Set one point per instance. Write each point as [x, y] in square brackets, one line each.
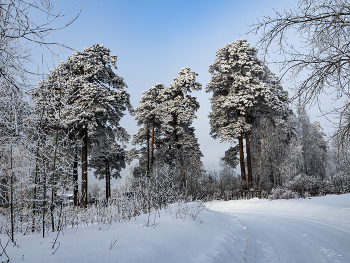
[71, 121]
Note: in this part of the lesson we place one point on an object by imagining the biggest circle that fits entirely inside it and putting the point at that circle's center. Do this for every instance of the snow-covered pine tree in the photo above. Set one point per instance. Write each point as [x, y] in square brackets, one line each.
[95, 99]
[107, 156]
[177, 111]
[241, 84]
[98, 99]
[230, 158]
[147, 115]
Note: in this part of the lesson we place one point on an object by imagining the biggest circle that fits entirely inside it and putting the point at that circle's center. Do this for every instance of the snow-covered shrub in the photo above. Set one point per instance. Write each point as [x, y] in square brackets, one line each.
[338, 183]
[304, 185]
[182, 210]
[282, 193]
[264, 194]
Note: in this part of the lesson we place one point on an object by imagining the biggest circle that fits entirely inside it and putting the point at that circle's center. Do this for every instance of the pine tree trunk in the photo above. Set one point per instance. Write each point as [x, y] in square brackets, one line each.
[75, 180]
[241, 160]
[84, 166]
[147, 164]
[249, 159]
[106, 175]
[52, 207]
[152, 141]
[257, 177]
[108, 182]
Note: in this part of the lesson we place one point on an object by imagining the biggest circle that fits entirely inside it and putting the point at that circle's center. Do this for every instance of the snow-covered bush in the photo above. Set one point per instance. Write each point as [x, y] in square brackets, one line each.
[304, 185]
[182, 210]
[282, 193]
[338, 184]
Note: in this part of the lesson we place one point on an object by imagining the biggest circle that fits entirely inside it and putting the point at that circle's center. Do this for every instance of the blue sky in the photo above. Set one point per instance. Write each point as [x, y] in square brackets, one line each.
[153, 39]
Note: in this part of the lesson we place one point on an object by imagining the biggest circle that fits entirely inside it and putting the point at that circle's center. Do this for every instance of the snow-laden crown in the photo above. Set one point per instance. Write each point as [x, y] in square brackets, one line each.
[240, 83]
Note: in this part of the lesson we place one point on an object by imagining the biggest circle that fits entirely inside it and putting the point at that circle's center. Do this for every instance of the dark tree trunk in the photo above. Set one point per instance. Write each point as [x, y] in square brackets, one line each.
[108, 181]
[147, 165]
[241, 161]
[75, 180]
[249, 159]
[84, 166]
[152, 140]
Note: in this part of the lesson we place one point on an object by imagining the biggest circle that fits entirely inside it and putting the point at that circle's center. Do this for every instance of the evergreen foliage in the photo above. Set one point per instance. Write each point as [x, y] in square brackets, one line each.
[148, 115]
[94, 102]
[242, 85]
[166, 114]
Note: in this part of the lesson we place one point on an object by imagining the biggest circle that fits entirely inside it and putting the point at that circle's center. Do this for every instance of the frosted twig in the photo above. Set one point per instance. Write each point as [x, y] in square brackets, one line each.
[113, 242]
[4, 250]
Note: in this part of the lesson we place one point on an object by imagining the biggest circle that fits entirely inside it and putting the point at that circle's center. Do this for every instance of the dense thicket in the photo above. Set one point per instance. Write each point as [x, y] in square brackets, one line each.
[18, 123]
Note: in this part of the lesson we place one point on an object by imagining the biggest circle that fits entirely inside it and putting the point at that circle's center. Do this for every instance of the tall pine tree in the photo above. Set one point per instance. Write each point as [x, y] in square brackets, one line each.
[241, 84]
[95, 99]
[178, 110]
[147, 116]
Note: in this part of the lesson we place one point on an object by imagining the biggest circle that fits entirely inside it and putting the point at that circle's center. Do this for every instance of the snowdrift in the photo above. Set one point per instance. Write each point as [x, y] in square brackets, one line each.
[178, 234]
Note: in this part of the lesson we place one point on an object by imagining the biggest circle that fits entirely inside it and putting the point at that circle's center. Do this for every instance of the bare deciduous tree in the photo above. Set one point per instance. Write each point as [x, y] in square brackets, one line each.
[18, 27]
[322, 50]
[322, 29]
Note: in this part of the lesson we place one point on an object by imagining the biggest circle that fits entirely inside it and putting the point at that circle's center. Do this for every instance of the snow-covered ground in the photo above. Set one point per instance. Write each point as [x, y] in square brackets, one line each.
[311, 230]
[171, 236]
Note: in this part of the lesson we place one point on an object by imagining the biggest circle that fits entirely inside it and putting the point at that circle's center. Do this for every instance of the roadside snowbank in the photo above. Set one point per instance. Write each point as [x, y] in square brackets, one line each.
[168, 236]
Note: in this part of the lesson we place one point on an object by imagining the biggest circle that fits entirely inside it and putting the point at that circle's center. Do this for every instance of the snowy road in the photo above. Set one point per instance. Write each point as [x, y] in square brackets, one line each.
[282, 237]
[293, 239]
